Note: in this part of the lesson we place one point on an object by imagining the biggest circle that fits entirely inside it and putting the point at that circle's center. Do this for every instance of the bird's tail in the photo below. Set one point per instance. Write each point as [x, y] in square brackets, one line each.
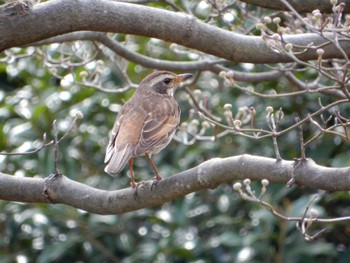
[117, 159]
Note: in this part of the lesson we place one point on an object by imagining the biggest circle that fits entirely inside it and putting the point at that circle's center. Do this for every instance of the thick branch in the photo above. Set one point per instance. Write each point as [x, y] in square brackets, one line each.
[58, 17]
[148, 62]
[209, 174]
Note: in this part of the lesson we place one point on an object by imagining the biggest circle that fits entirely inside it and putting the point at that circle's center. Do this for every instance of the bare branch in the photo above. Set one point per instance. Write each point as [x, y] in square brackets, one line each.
[143, 60]
[45, 21]
[301, 139]
[303, 222]
[300, 6]
[315, 86]
[210, 65]
[42, 146]
[209, 174]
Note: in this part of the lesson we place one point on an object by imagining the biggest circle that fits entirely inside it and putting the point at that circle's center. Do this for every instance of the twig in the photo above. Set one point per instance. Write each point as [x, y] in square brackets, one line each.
[55, 135]
[303, 222]
[43, 145]
[301, 139]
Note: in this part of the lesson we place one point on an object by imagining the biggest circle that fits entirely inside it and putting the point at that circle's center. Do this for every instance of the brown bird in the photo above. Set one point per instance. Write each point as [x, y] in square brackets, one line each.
[146, 123]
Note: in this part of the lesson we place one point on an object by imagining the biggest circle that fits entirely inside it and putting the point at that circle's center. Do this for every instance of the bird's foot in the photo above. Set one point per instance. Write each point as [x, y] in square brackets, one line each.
[156, 179]
[136, 186]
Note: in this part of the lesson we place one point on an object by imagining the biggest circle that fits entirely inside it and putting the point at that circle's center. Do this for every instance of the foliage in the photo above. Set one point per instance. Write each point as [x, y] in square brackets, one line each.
[46, 83]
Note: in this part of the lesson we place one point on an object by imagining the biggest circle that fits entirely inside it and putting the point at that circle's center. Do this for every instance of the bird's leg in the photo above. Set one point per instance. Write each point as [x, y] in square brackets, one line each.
[133, 184]
[157, 177]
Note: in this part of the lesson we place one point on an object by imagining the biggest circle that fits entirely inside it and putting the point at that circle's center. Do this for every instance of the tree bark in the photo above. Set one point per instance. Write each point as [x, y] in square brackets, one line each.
[208, 175]
[23, 27]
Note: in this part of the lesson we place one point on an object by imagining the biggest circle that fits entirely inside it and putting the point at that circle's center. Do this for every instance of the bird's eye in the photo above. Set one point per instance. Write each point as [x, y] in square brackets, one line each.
[167, 80]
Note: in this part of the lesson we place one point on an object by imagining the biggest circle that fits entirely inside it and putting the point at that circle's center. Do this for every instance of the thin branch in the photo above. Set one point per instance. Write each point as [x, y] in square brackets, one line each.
[267, 133]
[299, 6]
[315, 86]
[303, 222]
[55, 135]
[42, 146]
[329, 130]
[122, 51]
[301, 139]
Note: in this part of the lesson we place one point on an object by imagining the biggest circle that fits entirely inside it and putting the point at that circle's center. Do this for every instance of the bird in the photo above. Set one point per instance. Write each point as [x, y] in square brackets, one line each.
[145, 124]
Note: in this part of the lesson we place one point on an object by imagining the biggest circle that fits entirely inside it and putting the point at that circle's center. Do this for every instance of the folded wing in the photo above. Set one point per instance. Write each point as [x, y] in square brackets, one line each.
[143, 129]
[157, 132]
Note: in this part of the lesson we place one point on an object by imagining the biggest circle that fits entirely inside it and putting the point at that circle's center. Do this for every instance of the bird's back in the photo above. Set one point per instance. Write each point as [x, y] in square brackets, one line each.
[144, 125]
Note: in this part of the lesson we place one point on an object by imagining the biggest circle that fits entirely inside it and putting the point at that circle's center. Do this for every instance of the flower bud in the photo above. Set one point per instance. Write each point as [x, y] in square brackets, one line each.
[184, 124]
[260, 26]
[320, 51]
[228, 106]
[269, 109]
[237, 186]
[288, 46]
[276, 20]
[267, 19]
[79, 115]
[286, 30]
[83, 74]
[222, 74]
[205, 125]
[230, 74]
[316, 14]
[247, 181]
[265, 182]
[237, 123]
[195, 122]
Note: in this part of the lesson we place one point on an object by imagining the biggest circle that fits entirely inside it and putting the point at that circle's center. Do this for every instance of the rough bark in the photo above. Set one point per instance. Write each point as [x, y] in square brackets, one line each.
[207, 175]
[53, 18]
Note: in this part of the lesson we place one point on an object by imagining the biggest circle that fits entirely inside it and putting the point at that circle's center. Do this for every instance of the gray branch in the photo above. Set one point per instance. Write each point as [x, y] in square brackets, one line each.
[148, 62]
[143, 60]
[53, 18]
[207, 175]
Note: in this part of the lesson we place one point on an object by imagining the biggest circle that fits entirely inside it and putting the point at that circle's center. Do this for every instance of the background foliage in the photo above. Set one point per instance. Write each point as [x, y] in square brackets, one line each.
[42, 84]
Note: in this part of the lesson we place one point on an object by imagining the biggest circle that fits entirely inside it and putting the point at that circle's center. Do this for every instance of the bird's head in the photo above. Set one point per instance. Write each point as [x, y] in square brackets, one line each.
[163, 82]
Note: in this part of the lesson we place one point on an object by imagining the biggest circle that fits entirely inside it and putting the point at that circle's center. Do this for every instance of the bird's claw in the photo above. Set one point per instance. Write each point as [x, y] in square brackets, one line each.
[156, 179]
[135, 192]
[136, 186]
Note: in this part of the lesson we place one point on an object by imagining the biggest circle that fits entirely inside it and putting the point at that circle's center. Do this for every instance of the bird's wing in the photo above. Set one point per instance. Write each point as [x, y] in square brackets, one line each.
[158, 128]
[112, 138]
[120, 146]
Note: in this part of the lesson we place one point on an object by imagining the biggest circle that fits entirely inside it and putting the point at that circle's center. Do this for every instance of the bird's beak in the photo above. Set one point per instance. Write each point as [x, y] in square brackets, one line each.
[183, 77]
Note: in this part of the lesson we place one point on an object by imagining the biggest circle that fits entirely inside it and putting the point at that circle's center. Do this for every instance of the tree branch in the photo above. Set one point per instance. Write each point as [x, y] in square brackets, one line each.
[143, 60]
[300, 6]
[148, 62]
[54, 18]
[313, 86]
[209, 174]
